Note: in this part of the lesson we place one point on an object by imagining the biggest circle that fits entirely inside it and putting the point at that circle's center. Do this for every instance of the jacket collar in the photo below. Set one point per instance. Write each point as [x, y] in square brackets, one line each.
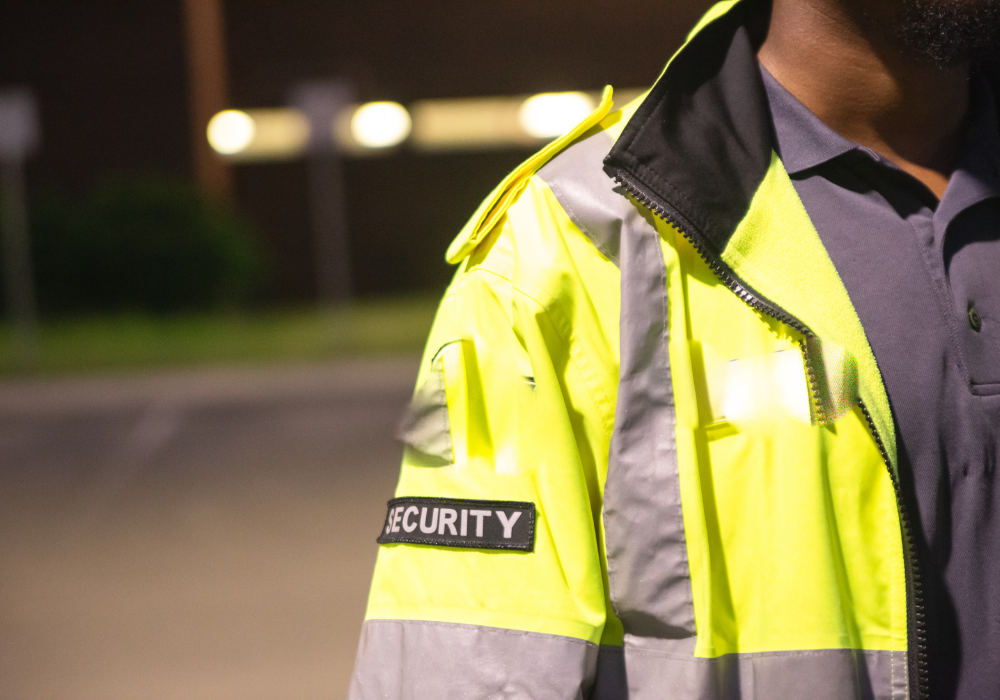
[700, 143]
[699, 152]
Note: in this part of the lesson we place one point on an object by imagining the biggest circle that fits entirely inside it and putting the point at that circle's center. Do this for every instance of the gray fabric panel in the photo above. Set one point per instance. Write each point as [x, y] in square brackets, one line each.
[588, 195]
[644, 527]
[830, 674]
[900, 675]
[426, 426]
[413, 660]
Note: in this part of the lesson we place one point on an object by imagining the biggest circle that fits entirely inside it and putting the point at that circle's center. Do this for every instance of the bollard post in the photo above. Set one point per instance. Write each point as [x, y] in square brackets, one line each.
[19, 136]
[322, 102]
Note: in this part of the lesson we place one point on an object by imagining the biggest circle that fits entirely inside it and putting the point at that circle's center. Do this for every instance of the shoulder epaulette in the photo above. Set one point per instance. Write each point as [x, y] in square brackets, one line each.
[491, 211]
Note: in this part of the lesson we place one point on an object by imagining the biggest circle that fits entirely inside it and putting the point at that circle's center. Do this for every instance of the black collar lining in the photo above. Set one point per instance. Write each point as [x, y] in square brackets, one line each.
[701, 142]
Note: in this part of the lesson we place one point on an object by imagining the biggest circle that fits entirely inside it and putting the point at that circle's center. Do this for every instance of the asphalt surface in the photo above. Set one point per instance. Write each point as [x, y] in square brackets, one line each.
[197, 534]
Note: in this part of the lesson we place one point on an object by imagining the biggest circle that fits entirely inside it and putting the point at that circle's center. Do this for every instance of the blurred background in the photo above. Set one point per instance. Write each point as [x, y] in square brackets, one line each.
[223, 227]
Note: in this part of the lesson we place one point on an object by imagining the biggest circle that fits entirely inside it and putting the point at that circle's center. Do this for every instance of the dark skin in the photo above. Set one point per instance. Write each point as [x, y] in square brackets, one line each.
[842, 61]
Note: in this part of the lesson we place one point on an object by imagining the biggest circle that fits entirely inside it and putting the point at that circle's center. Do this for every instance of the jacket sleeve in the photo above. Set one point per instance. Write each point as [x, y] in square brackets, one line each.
[510, 409]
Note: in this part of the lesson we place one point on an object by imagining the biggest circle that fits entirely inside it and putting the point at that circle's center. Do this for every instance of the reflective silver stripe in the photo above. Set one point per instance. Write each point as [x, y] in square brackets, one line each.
[644, 527]
[588, 195]
[407, 659]
[830, 674]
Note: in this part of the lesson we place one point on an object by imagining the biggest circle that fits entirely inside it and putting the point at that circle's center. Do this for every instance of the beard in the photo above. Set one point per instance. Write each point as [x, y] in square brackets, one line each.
[945, 32]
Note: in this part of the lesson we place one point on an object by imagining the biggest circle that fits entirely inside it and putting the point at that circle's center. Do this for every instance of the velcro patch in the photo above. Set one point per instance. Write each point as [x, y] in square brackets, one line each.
[455, 522]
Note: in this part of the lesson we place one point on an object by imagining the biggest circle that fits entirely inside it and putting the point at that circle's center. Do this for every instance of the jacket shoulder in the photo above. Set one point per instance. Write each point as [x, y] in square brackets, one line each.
[491, 213]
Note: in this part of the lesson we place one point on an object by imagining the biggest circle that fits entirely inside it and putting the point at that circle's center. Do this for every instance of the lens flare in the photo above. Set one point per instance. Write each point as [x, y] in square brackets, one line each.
[231, 131]
[380, 124]
[552, 114]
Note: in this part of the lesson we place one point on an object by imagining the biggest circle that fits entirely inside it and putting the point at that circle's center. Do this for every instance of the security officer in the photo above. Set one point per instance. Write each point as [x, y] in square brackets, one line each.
[712, 406]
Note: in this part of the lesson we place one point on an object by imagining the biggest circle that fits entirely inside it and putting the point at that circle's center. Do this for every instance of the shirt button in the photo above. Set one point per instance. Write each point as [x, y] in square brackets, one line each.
[974, 320]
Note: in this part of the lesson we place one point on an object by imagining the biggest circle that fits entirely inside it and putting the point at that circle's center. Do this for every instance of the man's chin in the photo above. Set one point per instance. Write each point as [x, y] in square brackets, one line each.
[946, 32]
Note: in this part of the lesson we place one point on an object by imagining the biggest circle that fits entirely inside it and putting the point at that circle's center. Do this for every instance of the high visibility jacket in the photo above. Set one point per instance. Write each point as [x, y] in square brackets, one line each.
[650, 453]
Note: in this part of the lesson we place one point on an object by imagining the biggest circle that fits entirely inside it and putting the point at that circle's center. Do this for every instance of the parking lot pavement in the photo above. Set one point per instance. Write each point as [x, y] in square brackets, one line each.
[192, 534]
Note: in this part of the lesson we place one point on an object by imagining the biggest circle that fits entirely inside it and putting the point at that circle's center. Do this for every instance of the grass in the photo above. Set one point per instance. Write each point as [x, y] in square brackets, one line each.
[366, 328]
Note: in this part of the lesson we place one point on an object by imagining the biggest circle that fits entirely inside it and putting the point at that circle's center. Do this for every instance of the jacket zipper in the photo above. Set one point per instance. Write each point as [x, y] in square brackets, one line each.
[916, 628]
[917, 631]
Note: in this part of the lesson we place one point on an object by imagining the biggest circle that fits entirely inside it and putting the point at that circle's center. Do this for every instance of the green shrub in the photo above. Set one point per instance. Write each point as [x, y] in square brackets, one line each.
[142, 243]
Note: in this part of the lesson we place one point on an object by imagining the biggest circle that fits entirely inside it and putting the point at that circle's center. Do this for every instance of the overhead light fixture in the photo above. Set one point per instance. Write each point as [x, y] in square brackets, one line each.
[552, 114]
[469, 124]
[281, 134]
[380, 124]
[456, 125]
[231, 131]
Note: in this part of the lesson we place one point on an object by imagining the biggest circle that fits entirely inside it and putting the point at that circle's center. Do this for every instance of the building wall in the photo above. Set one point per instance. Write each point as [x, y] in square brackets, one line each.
[111, 81]
[113, 86]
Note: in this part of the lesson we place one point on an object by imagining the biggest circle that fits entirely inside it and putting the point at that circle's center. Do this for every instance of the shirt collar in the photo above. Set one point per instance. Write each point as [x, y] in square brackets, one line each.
[802, 140]
[977, 173]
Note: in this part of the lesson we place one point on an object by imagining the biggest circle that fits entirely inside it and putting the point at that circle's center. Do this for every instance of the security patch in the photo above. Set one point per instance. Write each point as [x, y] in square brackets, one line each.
[453, 522]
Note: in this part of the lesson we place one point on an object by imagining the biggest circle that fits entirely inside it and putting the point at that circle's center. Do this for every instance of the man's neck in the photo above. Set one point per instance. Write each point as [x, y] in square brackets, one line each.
[838, 59]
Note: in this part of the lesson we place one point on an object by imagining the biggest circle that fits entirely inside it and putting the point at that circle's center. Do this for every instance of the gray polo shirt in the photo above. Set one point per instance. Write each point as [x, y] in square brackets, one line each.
[924, 277]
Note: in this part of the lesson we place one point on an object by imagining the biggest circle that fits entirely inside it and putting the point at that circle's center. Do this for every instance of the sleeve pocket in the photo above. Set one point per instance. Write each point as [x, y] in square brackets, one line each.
[426, 426]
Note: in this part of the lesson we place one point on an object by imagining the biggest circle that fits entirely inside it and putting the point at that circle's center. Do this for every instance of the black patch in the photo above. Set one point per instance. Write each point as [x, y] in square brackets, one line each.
[456, 522]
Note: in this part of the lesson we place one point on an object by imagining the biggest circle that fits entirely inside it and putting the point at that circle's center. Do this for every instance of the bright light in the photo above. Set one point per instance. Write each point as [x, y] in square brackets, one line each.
[789, 376]
[762, 387]
[552, 114]
[231, 131]
[380, 124]
[468, 124]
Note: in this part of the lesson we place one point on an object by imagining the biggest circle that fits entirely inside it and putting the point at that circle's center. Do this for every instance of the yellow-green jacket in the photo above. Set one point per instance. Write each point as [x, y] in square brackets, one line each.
[650, 453]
